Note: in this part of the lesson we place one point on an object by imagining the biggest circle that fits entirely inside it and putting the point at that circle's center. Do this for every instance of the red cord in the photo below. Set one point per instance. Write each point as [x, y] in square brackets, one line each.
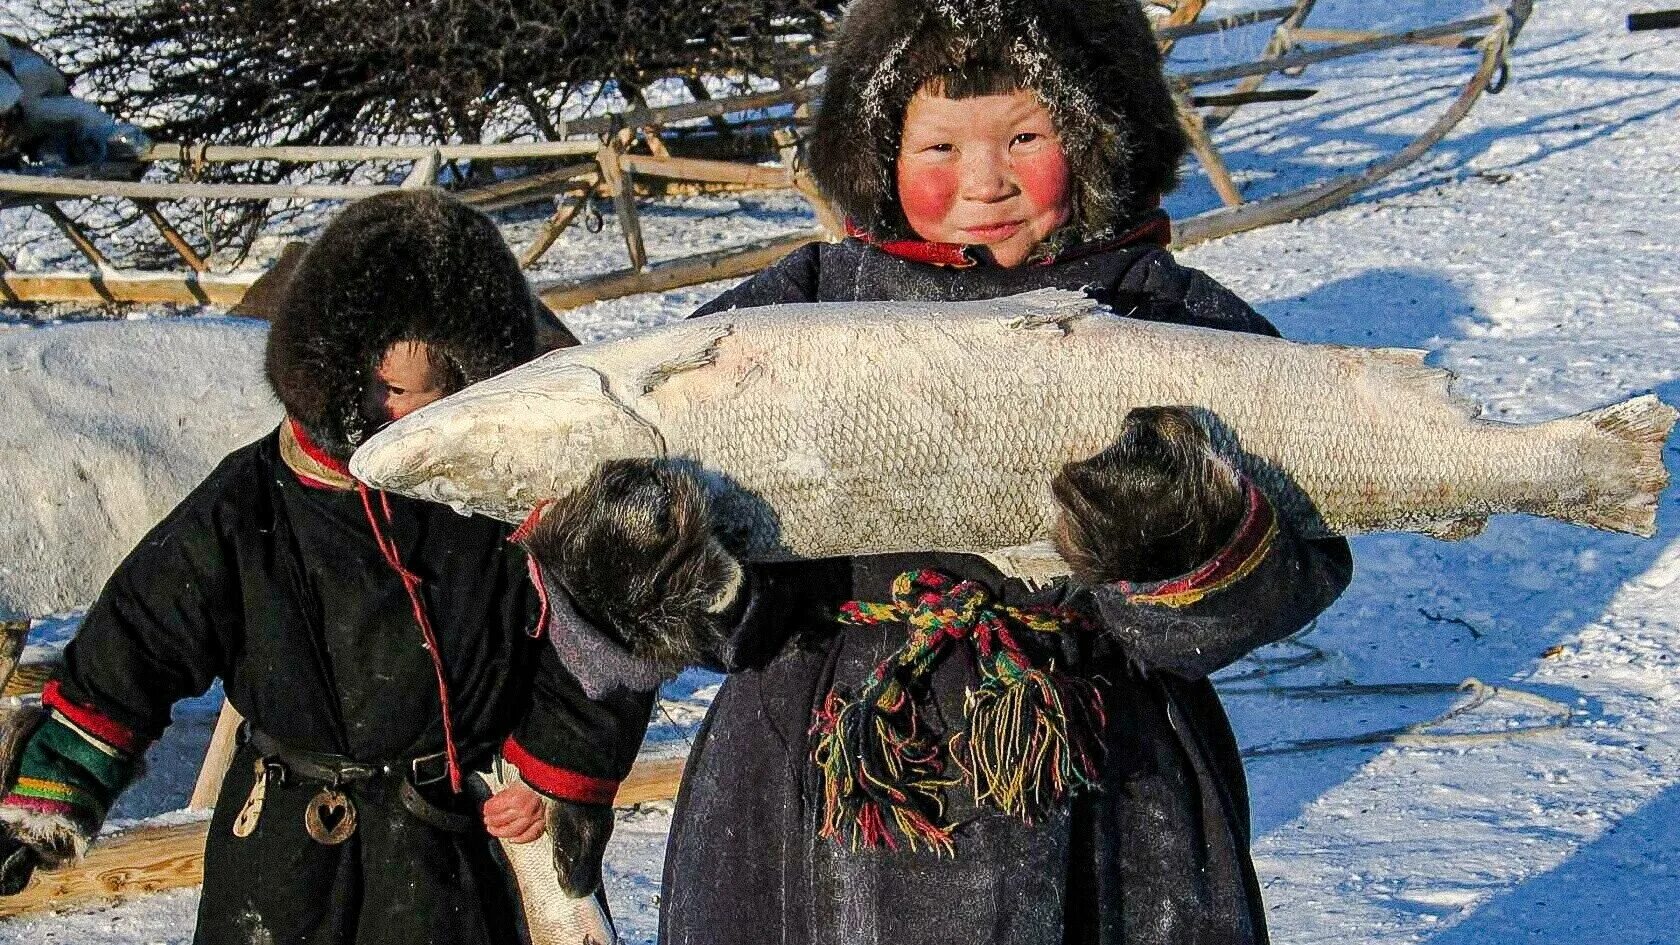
[411, 583]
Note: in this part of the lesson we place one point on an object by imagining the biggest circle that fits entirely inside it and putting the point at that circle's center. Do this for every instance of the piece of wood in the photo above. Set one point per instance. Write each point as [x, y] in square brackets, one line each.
[507, 151]
[130, 286]
[544, 185]
[172, 236]
[1248, 98]
[1654, 20]
[217, 757]
[134, 190]
[552, 228]
[1236, 20]
[135, 862]
[151, 859]
[660, 277]
[1325, 35]
[424, 172]
[83, 243]
[28, 679]
[327, 154]
[13, 634]
[1296, 60]
[1213, 163]
[711, 172]
[615, 177]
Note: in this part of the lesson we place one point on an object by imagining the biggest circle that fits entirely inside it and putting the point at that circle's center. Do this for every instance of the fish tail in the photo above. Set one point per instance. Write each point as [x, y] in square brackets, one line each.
[1625, 499]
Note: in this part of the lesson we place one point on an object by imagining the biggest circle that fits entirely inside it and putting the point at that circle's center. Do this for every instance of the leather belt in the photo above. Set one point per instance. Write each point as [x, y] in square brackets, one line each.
[285, 762]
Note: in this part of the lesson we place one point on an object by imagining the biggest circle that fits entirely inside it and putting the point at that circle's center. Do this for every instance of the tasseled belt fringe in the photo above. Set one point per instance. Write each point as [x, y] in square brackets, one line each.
[1032, 734]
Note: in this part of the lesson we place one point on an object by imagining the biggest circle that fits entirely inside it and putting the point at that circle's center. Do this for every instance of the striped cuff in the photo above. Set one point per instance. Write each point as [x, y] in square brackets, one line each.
[91, 723]
[66, 772]
[1248, 547]
[557, 782]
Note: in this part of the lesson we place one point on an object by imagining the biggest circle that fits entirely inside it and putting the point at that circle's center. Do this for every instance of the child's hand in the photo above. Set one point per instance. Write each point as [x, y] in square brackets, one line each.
[514, 814]
[1156, 504]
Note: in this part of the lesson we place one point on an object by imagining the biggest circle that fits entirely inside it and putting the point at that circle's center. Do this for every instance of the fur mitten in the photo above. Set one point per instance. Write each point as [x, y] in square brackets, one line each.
[1156, 504]
[636, 551]
[58, 785]
[580, 833]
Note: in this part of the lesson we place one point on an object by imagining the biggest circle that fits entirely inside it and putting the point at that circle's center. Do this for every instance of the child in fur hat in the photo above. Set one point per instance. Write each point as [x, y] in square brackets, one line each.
[919, 748]
[379, 648]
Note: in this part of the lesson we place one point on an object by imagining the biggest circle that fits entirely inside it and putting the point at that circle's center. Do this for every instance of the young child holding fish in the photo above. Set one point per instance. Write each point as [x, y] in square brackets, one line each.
[380, 649]
[919, 747]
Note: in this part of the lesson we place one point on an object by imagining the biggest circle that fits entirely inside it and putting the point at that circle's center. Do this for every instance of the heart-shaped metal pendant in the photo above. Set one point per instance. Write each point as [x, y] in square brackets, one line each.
[330, 817]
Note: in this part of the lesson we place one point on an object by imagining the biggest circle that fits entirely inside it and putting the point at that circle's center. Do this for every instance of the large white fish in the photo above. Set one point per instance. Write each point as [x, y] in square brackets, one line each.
[831, 429]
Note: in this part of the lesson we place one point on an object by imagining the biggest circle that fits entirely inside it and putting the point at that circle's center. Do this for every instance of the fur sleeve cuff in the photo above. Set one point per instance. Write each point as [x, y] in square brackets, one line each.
[557, 782]
[1247, 548]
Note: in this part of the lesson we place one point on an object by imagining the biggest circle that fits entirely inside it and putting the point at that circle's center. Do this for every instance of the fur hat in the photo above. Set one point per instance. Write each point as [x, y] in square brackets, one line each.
[1095, 65]
[404, 266]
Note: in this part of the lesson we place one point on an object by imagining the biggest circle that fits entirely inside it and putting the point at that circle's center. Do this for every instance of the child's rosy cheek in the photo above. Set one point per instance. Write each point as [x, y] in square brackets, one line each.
[1045, 179]
[926, 194]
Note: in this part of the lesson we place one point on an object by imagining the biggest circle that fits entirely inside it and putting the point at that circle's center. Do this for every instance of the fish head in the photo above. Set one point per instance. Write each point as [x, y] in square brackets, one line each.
[505, 445]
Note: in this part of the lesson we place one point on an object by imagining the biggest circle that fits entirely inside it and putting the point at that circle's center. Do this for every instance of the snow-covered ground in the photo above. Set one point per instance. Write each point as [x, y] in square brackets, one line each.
[1538, 251]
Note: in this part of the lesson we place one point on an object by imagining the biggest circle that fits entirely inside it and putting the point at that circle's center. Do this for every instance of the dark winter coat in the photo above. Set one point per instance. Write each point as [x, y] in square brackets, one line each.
[1158, 855]
[278, 588]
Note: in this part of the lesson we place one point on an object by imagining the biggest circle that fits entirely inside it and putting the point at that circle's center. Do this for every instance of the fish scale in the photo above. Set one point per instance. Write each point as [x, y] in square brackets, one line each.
[854, 428]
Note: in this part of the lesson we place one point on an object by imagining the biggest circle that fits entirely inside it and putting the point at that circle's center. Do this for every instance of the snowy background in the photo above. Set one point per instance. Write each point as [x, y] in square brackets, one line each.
[1538, 252]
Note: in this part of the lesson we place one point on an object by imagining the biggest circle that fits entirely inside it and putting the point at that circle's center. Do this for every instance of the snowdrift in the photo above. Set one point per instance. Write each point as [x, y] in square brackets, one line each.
[104, 427]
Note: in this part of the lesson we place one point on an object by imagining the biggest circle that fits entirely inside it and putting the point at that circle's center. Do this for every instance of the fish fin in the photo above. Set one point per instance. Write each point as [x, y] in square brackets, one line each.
[1048, 308]
[1456, 529]
[1625, 497]
[1401, 357]
[1036, 565]
[698, 352]
[1406, 369]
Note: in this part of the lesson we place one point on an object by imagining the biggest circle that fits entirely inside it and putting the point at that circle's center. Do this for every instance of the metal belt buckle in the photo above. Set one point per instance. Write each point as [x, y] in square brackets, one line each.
[421, 780]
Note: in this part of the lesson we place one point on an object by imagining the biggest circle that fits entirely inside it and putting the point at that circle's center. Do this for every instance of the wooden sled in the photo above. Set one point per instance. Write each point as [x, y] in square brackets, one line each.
[613, 158]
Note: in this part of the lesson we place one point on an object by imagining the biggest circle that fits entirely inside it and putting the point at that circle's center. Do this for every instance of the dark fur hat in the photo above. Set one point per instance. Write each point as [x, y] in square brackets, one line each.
[404, 266]
[1095, 65]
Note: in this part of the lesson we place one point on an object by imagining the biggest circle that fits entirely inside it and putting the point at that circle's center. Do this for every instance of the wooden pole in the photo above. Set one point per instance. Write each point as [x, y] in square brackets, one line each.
[615, 177]
[66, 187]
[662, 277]
[13, 633]
[1212, 161]
[129, 286]
[172, 236]
[216, 759]
[74, 233]
[552, 228]
[794, 166]
[152, 859]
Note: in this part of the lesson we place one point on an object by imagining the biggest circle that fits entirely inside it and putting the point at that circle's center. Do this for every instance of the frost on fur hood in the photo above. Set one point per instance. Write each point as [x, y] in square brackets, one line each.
[1095, 65]
[406, 266]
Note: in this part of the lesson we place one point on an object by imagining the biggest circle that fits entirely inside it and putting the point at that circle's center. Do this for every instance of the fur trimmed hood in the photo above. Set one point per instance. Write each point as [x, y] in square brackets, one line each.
[404, 266]
[1095, 65]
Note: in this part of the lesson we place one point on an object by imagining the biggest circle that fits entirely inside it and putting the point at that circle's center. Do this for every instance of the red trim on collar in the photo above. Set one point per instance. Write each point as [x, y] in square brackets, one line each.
[951, 255]
[314, 451]
[1155, 230]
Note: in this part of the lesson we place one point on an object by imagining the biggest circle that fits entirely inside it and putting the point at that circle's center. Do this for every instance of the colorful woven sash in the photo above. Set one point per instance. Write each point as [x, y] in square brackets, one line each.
[1032, 735]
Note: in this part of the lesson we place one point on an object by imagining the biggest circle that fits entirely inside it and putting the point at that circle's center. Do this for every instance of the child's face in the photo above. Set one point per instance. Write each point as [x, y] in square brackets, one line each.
[987, 171]
[404, 381]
